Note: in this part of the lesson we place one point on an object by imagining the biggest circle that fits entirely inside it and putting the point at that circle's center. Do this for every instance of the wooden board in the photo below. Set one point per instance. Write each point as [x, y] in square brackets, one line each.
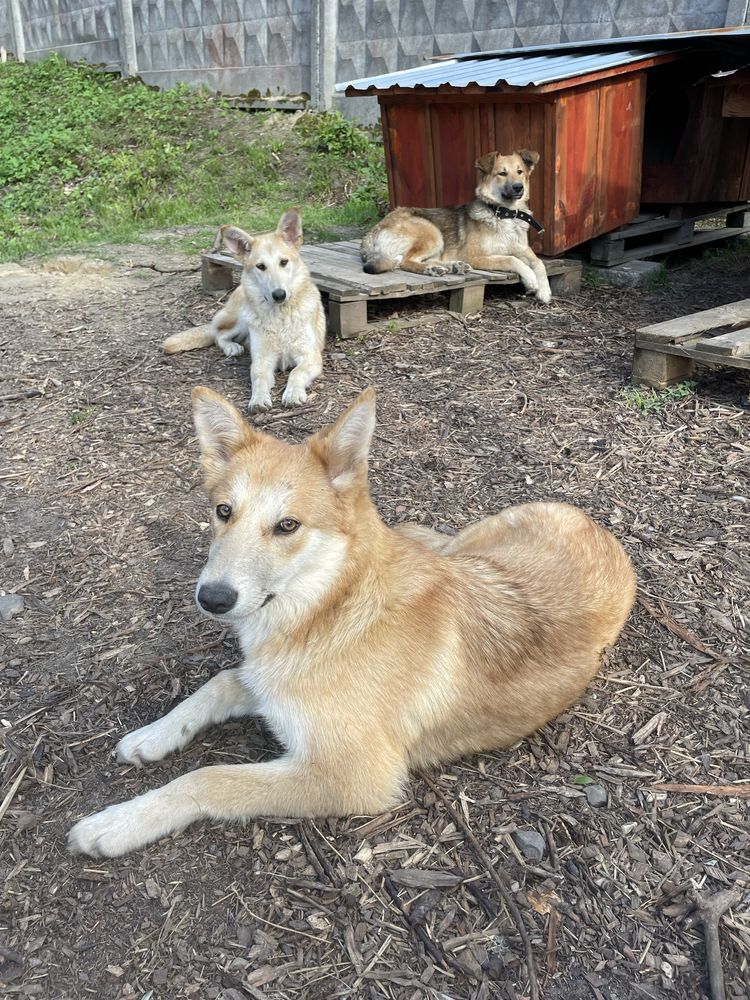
[670, 234]
[336, 268]
[675, 331]
[664, 352]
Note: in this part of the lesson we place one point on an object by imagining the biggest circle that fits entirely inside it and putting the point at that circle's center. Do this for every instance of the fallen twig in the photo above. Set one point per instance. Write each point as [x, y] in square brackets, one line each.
[433, 948]
[739, 791]
[12, 791]
[681, 632]
[710, 910]
[499, 881]
[160, 270]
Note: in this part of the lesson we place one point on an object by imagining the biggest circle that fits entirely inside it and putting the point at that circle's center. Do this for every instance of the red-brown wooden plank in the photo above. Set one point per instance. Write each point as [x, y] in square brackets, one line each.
[620, 153]
[411, 154]
[576, 162]
[455, 142]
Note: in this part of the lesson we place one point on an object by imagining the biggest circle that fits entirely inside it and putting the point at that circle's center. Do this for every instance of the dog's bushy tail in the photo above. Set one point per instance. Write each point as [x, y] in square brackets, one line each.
[189, 340]
[378, 263]
[374, 261]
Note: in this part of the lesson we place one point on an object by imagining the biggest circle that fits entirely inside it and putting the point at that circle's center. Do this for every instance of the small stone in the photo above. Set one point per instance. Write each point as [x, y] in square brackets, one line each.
[662, 862]
[631, 274]
[8, 547]
[10, 605]
[596, 796]
[530, 843]
[681, 840]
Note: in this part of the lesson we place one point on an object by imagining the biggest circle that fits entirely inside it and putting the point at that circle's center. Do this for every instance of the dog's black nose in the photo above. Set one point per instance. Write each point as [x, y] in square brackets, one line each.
[217, 598]
[517, 187]
[278, 294]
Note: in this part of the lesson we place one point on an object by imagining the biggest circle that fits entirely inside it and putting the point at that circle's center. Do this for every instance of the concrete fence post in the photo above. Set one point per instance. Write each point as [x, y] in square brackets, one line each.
[19, 38]
[323, 15]
[737, 12]
[128, 52]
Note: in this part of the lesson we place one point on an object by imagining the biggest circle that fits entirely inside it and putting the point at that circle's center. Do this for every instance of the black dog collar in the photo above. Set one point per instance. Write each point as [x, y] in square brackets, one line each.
[501, 212]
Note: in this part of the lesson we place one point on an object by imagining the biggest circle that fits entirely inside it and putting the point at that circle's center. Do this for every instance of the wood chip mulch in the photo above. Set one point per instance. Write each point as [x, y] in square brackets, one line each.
[103, 531]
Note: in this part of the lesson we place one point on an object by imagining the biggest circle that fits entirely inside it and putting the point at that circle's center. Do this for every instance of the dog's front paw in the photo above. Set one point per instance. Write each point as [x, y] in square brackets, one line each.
[129, 825]
[232, 349]
[151, 743]
[293, 396]
[544, 295]
[260, 403]
[531, 284]
[436, 270]
[461, 267]
[107, 834]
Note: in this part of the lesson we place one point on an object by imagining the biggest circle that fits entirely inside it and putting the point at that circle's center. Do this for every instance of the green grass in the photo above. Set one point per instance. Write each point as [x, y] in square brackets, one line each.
[87, 157]
[652, 401]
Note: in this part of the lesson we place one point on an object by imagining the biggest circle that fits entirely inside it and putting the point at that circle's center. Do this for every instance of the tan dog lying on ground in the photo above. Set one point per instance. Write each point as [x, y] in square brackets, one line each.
[275, 312]
[368, 650]
[491, 233]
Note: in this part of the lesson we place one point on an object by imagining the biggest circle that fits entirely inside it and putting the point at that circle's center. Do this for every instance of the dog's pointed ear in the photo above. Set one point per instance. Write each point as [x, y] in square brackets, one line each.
[290, 227]
[485, 163]
[221, 430]
[530, 157]
[344, 446]
[236, 239]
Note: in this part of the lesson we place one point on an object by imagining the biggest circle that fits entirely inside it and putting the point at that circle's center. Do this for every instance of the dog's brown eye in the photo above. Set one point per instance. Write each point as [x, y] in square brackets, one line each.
[503, 173]
[286, 526]
[284, 262]
[261, 267]
[223, 512]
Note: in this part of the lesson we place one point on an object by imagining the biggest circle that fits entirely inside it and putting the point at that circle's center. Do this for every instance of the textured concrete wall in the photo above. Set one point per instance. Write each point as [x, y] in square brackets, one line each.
[379, 36]
[267, 46]
[232, 46]
[6, 32]
[77, 29]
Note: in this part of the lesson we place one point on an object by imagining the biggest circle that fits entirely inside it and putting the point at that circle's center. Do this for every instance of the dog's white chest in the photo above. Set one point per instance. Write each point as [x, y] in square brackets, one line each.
[284, 713]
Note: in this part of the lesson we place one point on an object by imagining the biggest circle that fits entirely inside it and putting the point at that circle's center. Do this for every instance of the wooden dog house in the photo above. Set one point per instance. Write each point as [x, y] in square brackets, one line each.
[588, 129]
[697, 136]
[583, 107]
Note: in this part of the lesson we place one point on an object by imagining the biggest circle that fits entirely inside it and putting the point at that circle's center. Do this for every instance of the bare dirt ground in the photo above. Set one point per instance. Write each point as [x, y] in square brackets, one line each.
[103, 530]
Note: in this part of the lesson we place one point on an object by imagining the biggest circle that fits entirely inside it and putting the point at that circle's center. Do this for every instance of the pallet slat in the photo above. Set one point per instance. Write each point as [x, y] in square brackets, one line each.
[676, 234]
[665, 352]
[683, 328]
[336, 268]
[734, 345]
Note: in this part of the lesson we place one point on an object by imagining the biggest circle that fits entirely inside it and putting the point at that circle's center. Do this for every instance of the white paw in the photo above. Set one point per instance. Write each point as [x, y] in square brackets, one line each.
[107, 834]
[260, 402]
[461, 267]
[129, 825]
[530, 283]
[152, 742]
[544, 295]
[293, 397]
[232, 349]
[436, 270]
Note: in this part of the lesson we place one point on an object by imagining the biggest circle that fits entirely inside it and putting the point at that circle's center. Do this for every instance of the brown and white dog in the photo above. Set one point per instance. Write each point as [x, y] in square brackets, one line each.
[275, 313]
[368, 650]
[490, 233]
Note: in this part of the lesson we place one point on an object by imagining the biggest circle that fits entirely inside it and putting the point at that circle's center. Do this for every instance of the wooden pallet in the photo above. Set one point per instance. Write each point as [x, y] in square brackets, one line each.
[666, 352]
[336, 269]
[668, 232]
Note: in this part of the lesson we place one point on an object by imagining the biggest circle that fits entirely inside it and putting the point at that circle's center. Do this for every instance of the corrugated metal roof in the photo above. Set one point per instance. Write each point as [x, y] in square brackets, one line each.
[538, 64]
[516, 71]
[714, 37]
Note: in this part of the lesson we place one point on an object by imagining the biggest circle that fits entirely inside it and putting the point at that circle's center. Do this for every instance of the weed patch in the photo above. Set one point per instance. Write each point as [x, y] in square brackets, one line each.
[653, 401]
[87, 157]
